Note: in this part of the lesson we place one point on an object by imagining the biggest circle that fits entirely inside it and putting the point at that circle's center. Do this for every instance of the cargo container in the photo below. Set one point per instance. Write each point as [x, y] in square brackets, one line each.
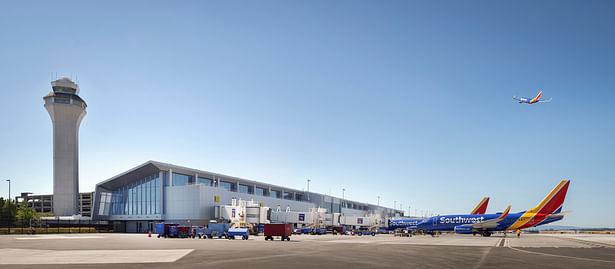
[163, 229]
[181, 231]
[282, 230]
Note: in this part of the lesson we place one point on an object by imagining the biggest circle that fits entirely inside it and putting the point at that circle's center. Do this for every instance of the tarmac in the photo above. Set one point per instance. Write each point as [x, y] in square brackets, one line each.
[308, 251]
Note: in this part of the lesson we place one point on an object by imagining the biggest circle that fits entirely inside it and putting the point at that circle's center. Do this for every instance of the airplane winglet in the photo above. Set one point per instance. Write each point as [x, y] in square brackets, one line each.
[503, 216]
[491, 223]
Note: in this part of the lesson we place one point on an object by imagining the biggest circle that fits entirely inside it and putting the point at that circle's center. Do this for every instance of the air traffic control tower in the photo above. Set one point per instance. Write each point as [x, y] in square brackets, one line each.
[66, 110]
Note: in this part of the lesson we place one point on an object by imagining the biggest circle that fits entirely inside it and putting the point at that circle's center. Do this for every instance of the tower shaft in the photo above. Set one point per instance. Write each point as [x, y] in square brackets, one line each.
[66, 110]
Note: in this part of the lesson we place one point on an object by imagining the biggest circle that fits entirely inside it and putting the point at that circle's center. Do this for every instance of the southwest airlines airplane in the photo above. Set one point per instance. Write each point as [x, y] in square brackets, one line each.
[411, 223]
[533, 100]
[549, 210]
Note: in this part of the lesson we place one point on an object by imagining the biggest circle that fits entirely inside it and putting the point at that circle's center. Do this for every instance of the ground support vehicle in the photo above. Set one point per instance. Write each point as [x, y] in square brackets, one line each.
[338, 230]
[163, 229]
[402, 232]
[284, 231]
[365, 231]
[200, 232]
[318, 231]
[181, 231]
[243, 232]
[214, 230]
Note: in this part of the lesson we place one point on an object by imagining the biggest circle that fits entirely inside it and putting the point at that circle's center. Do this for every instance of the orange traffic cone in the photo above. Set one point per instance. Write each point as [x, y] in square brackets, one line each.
[149, 234]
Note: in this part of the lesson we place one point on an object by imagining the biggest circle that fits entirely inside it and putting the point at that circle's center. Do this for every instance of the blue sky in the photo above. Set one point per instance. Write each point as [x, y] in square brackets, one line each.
[410, 101]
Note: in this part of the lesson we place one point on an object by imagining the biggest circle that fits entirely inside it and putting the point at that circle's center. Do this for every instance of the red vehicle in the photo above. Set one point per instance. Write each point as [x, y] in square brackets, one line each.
[282, 230]
[338, 230]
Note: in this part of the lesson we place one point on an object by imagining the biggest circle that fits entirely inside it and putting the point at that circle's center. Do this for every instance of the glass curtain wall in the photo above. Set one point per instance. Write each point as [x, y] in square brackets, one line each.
[181, 180]
[204, 181]
[142, 197]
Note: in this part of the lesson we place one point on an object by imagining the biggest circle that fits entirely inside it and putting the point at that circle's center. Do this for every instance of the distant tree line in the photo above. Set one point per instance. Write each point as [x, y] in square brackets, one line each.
[12, 212]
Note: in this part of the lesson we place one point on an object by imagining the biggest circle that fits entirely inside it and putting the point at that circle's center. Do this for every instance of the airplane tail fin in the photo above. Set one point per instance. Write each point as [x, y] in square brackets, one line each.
[536, 98]
[481, 208]
[552, 204]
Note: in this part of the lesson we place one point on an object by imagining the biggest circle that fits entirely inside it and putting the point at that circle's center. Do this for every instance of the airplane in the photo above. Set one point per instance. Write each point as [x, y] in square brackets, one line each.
[549, 210]
[481, 208]
[533, 100]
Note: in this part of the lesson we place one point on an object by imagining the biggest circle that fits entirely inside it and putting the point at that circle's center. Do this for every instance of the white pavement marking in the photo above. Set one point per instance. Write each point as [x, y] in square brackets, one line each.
[597, 240]
[482, 258]
[37, 256]
[46, 237]
[562, 256]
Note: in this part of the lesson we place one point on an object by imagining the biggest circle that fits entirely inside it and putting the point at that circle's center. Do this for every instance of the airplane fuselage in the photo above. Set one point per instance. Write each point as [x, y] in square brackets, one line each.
[510, 222]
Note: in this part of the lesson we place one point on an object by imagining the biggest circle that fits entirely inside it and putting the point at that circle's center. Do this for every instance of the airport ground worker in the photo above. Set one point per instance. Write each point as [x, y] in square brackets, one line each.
[518, 233]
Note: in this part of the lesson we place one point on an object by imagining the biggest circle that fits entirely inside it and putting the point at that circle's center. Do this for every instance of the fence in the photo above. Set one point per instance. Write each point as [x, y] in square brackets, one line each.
[44, 226]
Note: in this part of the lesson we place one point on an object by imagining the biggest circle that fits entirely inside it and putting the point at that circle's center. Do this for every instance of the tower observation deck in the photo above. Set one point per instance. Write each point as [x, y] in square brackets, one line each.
[66, 110]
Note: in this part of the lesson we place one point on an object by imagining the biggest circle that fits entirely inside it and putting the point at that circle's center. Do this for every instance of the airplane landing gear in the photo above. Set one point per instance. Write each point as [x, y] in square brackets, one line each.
[486, 233]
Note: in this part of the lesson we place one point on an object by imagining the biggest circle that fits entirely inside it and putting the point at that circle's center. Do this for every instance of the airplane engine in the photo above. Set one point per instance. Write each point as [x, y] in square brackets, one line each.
[463, 229]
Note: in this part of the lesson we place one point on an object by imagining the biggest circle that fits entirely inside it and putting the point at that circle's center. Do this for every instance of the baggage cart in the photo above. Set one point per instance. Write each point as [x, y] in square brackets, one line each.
[243, 232]
[284, 231]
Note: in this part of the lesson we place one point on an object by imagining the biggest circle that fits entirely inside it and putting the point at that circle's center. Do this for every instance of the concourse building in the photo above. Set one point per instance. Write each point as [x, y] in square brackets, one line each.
[154, 192]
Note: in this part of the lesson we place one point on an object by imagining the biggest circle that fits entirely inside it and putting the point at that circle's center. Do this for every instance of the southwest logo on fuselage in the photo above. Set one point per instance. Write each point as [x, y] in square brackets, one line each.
[460, 219]
[549, 210]
[411, 223]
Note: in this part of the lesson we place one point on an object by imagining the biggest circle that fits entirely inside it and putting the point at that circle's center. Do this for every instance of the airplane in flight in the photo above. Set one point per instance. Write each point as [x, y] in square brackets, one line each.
[481, 208]
[549, 210]
[534, 100]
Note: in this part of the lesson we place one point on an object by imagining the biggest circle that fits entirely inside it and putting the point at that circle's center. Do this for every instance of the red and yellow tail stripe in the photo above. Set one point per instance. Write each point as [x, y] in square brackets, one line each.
[536, 98]
[481, 208]
[550, 204]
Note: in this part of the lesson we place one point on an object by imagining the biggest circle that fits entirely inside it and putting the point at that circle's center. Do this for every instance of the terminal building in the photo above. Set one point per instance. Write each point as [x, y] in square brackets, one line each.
[153, 192]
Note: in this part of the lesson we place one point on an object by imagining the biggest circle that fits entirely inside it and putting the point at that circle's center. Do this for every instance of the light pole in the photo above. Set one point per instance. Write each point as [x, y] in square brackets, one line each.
[9, 205]
[401, 208]
[308, 191]
[394, 206]
[343, 191]
[378, 200]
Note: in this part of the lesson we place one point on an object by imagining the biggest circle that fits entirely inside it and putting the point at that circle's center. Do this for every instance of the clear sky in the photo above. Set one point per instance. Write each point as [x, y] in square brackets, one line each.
[410, 101]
